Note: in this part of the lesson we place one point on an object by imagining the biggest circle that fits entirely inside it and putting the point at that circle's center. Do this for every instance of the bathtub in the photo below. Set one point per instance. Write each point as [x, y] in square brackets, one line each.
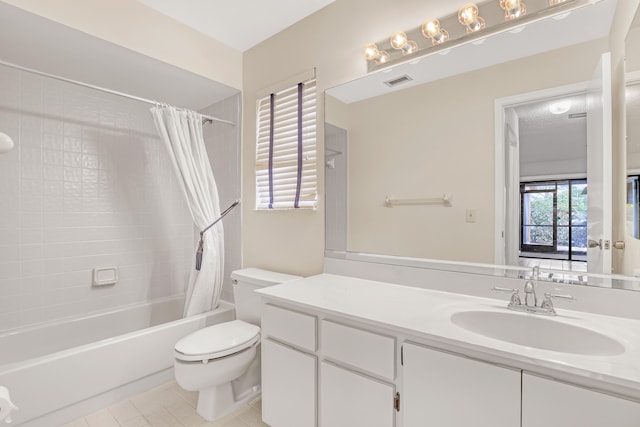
[57, 372]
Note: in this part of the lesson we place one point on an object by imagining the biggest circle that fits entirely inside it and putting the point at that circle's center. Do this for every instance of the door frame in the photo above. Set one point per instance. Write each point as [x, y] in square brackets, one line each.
[500, 105]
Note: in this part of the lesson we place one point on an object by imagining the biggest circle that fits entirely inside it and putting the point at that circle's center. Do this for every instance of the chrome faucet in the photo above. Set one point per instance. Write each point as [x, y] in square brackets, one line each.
[546, 307]
[530, 288]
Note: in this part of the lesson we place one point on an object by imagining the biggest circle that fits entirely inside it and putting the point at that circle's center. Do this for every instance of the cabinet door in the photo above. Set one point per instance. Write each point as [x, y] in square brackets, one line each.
[348, 399]
[548, 403]
[288, 386]
[445, 390]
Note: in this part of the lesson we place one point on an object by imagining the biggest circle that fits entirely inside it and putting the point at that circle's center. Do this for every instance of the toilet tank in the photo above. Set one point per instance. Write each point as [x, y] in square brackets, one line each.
[245, 281]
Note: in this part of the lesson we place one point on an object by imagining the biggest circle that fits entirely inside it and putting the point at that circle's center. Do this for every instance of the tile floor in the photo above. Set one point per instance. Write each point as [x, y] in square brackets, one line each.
[167, 406]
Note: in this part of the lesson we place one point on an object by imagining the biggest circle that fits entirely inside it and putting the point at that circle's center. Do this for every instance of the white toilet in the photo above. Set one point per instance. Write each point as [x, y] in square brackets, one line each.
[222, 361]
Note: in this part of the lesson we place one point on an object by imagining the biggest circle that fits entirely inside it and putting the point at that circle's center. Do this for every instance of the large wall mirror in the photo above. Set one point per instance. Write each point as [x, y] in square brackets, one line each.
[482, 155]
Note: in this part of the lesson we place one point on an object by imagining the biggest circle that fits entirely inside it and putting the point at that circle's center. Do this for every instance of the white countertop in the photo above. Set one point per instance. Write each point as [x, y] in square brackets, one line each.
[424, 315]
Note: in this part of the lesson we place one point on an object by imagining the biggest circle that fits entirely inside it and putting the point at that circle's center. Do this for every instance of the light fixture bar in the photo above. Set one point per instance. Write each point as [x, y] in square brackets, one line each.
[494, 17]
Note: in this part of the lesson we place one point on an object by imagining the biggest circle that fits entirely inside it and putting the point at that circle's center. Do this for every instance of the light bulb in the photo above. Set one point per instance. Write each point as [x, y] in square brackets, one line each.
[370, 51]
[398, 40]
[468, 16]
[468, 13]
[410, 47]
[6, 143]
[431, 29]
[513, 9]
[560, 107]
[382, 57]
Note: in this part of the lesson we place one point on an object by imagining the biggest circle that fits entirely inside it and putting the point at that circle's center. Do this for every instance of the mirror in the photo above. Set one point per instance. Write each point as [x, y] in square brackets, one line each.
[632, 98]
[410, 165]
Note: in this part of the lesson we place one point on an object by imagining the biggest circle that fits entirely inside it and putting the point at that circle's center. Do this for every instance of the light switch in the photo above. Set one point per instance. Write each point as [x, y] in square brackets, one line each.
[471, 215]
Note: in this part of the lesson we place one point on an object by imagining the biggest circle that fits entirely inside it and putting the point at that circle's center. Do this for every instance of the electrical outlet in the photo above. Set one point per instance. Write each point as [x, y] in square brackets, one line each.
[471, 215]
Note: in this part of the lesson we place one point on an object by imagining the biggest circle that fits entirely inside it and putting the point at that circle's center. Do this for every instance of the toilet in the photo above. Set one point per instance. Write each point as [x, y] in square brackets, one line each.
[222, 362]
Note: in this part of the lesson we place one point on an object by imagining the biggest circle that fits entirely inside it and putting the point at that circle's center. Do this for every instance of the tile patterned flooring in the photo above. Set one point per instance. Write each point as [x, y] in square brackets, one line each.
[167, 406]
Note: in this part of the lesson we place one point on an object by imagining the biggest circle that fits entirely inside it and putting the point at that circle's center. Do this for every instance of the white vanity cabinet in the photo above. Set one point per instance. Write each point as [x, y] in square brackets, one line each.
[356, 377]
[348, 399]
[549, 403]
[289, 368]
[447, 390]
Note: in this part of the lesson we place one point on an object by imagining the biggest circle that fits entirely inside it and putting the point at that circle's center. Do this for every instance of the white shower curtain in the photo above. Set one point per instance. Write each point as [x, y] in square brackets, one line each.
[181, 132]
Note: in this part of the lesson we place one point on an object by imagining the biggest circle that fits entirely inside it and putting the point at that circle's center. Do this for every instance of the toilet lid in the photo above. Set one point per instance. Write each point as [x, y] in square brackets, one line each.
[217, 341]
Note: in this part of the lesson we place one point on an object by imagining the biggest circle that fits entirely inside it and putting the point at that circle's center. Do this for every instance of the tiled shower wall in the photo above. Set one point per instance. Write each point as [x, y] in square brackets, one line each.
[87, 186]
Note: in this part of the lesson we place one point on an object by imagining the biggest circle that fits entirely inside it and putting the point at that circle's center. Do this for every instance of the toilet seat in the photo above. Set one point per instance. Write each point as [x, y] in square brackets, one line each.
[217, 341]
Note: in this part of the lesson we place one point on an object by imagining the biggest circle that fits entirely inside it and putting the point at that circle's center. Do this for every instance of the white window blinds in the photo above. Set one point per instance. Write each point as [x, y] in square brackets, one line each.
[286, 172]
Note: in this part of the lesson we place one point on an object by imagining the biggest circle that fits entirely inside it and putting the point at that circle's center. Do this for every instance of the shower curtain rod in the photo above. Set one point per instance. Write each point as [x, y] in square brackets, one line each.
[101, 89]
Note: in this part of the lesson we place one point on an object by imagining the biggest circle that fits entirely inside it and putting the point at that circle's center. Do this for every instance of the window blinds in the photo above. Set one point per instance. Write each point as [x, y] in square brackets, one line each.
[286, 172]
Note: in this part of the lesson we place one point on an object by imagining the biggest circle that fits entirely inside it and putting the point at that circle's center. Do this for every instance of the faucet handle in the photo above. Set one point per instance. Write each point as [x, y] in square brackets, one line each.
[499, 289]
[549, 295]
[515, 295]
[548, 305]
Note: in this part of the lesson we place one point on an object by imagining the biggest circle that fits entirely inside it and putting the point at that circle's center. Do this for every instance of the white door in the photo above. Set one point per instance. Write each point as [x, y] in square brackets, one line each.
[599, 174]
[445, 390]
[288, 386]
[349, 399]
[548, 403]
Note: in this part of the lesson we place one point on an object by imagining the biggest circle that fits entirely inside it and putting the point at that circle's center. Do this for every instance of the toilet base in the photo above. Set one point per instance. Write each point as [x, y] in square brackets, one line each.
[216, 402]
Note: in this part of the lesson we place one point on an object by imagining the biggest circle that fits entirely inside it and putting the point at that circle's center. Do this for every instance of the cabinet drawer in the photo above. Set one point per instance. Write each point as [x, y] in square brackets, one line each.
[289, 326]
[368, 351]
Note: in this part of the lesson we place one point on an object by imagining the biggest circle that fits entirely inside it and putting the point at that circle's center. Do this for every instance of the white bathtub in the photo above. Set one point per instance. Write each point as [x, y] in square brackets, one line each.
[60, 371]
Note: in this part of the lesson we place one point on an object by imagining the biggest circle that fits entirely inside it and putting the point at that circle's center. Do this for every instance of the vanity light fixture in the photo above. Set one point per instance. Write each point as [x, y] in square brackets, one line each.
[400, 41]
[513, 9]
[372, 53]
[498, 16]
[468, 16]
[431, 30]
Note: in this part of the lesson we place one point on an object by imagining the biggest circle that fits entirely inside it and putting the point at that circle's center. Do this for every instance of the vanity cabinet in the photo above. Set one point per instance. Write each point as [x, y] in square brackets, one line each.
[356, 377]
[348, 399]
[289, 368]
[447, 390]
[323, 368]
[550, 403]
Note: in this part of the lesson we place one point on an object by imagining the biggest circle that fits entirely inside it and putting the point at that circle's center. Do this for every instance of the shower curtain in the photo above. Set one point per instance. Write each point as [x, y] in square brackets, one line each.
[181, 132]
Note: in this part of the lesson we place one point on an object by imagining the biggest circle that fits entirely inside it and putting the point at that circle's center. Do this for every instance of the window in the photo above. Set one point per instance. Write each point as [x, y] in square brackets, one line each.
[286, 172]
[633, 205]
[554, 219]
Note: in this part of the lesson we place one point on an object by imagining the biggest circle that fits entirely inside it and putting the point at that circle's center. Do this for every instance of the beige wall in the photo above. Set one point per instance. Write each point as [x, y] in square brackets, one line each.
[130, 24]
[330, 40]
[438, 138]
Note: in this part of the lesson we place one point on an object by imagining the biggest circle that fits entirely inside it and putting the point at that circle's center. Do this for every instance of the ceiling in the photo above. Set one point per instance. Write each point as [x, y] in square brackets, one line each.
[240, 24]
[546, 137]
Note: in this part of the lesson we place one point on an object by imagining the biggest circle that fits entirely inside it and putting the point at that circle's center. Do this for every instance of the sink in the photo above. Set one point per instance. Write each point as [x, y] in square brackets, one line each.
[538, 332]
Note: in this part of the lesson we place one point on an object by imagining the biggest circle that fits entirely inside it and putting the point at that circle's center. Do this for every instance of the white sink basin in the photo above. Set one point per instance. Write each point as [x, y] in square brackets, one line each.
[540, 332]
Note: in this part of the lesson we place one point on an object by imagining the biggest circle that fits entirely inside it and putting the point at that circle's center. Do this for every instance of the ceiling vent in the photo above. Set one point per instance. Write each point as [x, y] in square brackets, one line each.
[398, 81]
[577, 115]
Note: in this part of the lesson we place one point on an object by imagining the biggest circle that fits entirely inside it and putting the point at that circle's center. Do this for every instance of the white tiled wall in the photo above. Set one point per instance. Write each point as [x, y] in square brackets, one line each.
[88, 185]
